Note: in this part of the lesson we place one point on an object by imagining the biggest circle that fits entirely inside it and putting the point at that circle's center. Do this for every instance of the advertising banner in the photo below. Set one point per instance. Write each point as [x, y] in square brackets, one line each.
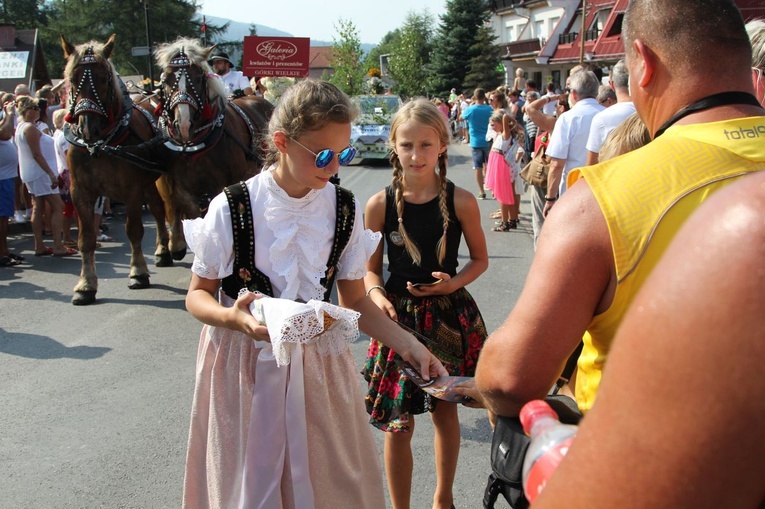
[276, 56]
[13, 64]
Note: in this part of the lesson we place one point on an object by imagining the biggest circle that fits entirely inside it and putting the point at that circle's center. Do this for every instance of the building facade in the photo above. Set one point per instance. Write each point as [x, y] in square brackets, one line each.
[546, 38]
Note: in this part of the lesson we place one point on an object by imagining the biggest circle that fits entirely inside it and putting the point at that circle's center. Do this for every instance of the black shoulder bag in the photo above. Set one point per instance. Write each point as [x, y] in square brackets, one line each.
[509, 444]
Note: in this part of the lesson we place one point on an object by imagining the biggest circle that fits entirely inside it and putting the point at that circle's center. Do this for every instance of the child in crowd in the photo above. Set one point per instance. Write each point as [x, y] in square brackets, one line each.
[423, 217]
[503, 167]
[293, 436]
[519, 83]
[61, 146]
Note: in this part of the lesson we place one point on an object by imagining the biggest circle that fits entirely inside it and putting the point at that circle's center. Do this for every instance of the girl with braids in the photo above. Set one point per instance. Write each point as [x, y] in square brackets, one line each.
[294, 434]
[423, 217]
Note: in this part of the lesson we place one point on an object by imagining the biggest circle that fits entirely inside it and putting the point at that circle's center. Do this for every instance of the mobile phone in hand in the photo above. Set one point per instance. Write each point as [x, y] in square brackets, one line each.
[420, 285]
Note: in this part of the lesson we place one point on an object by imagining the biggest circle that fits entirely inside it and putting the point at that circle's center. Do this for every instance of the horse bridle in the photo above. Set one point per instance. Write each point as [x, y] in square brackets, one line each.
[95, 105]
[87, 104]
[195, 98]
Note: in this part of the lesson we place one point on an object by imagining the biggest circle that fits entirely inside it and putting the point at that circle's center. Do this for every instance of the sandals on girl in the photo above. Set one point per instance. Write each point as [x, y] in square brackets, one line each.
[506, 226]
[503, 227]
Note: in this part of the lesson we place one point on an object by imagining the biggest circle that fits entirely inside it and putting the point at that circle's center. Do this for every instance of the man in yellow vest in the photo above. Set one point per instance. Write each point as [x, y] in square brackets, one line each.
[604, 236]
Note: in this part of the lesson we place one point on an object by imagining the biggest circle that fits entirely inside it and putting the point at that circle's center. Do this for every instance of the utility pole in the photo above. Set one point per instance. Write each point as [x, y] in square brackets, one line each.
[148, 43]
[584, 33]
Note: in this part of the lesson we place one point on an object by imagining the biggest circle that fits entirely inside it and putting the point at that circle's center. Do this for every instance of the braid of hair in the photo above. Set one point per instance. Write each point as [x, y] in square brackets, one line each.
[443, 206]
[398, 187]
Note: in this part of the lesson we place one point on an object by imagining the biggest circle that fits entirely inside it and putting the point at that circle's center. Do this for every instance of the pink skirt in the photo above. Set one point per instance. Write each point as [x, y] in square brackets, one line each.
[499, 179]
[343, 468]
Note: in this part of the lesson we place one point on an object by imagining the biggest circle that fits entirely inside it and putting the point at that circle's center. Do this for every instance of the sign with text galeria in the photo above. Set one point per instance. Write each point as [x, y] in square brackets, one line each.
[276, 56]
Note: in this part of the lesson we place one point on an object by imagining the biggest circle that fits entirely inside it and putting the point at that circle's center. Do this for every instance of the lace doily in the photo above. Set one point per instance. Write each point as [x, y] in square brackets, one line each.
[330, 327]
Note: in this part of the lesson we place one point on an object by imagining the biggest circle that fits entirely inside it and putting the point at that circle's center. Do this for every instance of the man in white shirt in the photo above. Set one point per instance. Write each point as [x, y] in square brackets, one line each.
[550, 106]
[606, 121]
[235, 81]
[567, 147]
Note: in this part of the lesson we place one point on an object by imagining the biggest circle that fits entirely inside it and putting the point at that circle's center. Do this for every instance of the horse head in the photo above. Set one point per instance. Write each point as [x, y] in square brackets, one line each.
[192, 98]
[95, 99]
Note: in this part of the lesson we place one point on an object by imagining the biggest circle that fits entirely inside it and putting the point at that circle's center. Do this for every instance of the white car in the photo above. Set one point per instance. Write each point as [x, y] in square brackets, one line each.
[370, 131]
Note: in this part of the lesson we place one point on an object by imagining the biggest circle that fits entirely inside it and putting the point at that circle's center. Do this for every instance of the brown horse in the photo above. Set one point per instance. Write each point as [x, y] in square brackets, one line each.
[100, 120]
[215, 142]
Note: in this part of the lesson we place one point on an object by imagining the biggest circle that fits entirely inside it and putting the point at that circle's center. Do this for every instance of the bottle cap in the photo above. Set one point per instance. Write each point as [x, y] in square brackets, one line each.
[533, 410]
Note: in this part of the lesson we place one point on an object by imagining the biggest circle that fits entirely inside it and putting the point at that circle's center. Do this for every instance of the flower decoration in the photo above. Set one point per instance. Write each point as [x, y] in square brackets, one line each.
[275, 87]
[245, 275]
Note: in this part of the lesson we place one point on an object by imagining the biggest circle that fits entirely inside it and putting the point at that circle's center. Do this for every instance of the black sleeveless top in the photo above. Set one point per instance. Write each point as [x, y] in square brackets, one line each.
[423, 223]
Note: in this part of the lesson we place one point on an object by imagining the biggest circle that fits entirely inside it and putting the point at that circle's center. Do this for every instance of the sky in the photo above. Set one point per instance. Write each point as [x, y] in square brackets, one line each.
[317, 18]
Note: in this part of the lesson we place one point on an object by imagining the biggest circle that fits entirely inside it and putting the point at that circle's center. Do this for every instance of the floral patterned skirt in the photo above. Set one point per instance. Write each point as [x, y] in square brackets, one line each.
[456, 328]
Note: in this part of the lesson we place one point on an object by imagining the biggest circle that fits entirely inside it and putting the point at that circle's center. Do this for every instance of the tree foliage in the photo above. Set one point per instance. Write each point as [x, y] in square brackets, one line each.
[84, 20]
[454, 45]
[483, 69]
[347, 59]
[24, 14]
[410, 55]
[385, 47]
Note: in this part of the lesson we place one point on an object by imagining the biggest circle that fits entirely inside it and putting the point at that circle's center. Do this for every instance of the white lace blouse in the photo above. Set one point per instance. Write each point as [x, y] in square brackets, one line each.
[293, 239]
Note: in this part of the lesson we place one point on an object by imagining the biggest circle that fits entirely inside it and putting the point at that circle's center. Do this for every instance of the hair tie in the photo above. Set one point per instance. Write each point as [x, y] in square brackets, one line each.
[400, 220]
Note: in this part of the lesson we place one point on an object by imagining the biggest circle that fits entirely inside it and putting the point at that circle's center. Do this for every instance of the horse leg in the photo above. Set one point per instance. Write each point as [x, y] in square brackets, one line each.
[87, 286]
[178, 242]
[139, 271]
[162, 257]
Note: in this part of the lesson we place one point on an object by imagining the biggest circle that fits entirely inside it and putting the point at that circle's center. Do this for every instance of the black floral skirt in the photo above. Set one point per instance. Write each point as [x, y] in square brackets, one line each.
[457, 332]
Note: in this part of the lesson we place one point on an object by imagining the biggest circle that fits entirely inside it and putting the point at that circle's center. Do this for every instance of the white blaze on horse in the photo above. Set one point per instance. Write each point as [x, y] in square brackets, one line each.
[211, 142]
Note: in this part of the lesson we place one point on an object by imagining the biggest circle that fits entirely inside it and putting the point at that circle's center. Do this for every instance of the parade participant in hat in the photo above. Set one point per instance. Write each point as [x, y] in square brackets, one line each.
[236, 82]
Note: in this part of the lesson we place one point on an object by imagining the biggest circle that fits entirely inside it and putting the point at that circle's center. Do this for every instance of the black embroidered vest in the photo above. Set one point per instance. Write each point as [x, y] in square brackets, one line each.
[245, 274]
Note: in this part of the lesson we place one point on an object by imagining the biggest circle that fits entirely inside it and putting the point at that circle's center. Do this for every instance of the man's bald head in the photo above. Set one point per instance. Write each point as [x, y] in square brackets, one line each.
[690, 35]
[21, 90]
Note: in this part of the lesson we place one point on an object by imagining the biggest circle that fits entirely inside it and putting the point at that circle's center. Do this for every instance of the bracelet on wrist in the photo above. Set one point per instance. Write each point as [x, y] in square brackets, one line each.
[550, 199]
[376, 287]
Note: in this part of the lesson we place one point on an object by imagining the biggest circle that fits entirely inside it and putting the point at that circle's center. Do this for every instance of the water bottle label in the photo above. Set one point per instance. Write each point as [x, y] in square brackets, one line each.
[543, 468]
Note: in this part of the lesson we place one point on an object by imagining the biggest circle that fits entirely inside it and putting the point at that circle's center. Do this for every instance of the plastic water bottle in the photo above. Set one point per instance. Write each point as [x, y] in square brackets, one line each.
[550, 441]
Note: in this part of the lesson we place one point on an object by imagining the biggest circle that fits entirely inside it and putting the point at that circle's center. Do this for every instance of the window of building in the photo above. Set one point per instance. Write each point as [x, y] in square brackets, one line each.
[540, 32]
[552, 23]
[600, 19]
[556, 78]
[616, 27]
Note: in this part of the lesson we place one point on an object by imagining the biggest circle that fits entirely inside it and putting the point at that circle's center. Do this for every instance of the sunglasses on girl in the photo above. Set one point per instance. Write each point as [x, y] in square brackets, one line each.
[324, 157]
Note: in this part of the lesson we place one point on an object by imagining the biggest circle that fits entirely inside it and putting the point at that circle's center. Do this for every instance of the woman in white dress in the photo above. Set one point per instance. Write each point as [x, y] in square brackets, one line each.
[266, 435]
[37, 160]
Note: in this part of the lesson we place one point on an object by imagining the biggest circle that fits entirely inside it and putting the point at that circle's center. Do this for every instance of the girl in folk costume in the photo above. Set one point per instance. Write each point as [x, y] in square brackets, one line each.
[275, 426]
[423, 217]
[503, 169]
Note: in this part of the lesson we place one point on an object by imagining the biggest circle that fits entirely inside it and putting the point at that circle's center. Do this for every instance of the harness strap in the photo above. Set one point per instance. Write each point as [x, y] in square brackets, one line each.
[245, 274]
[252, 150]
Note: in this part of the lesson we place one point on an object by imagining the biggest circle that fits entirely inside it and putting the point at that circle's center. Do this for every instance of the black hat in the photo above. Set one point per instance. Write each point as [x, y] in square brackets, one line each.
[220, 55]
